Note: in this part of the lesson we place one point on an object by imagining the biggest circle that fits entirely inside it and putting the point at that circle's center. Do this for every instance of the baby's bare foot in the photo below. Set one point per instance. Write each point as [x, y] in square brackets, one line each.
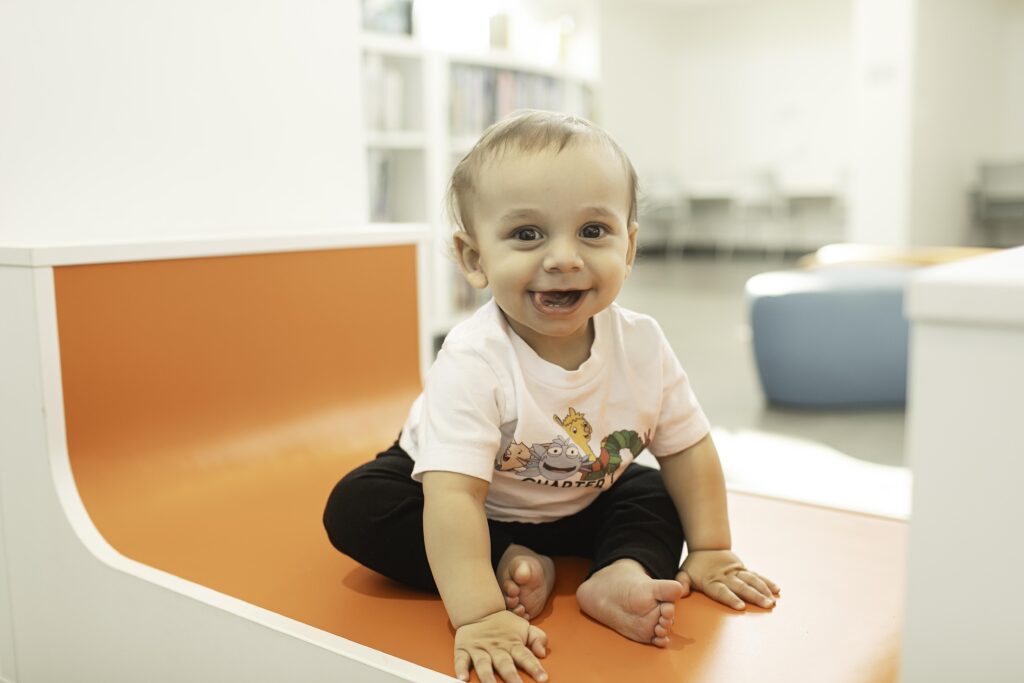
[623, 597]
[526, 578]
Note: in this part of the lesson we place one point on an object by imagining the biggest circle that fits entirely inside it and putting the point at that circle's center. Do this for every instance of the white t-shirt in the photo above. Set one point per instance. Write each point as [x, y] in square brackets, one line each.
[549, 440]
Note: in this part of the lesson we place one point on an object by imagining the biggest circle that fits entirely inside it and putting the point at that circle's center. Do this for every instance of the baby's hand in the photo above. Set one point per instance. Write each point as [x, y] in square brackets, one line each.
[500, 642]
[720, 575]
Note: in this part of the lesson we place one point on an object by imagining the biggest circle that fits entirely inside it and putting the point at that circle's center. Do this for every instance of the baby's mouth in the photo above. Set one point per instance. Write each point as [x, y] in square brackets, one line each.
[557, 300]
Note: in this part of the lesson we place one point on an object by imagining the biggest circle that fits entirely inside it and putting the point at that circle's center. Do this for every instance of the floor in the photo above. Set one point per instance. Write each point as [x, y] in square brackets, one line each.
[844, 458]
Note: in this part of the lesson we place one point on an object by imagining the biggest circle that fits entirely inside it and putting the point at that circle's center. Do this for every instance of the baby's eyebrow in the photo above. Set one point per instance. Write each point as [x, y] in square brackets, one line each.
[533, 214]
[519, 214]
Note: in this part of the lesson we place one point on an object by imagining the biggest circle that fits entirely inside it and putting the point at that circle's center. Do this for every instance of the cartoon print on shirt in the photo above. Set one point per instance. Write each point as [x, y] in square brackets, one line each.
[579, 430]
[611, 453]
[515, 457]
[566, 462]
[556, 461]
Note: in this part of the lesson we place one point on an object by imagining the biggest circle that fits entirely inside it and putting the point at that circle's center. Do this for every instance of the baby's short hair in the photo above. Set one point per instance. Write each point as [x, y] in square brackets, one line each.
[527, 130]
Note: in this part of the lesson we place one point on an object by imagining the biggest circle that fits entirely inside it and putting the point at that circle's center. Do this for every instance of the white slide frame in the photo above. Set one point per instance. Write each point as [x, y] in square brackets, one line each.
[71, 607]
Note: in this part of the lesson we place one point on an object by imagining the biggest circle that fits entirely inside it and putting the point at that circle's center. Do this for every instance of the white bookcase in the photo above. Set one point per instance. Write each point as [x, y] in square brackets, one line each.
[424, 108]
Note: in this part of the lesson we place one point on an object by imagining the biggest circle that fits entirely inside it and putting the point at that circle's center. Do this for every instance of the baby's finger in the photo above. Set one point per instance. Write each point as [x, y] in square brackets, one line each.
[528, 663]
[720, 592]
[749, 593]
[482, 664]
[537, 641]
[505, 667]
[685, 581]
[462, 665]
[771, 584]
[755, 581]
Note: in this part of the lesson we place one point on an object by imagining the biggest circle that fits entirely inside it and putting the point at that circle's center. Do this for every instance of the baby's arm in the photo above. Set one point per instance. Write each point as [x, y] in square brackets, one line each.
[458, 546]
[696, 484]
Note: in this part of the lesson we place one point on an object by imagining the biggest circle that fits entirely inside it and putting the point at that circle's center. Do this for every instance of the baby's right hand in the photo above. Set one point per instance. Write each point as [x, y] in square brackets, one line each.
[500, 642]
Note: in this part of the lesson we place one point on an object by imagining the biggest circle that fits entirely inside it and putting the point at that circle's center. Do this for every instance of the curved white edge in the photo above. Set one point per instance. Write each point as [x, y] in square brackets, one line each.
[984, 289]
[374, 234]
[91, 539]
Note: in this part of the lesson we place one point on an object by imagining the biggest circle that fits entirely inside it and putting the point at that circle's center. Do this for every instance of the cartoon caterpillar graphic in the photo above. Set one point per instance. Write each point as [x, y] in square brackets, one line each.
[610, 458]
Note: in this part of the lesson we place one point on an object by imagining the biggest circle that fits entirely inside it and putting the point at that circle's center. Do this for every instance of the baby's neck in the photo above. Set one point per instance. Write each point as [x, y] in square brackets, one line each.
[568, 354]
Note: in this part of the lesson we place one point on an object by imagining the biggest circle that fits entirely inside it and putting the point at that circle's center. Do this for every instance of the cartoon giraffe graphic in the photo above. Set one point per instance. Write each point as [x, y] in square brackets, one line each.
[579, 430]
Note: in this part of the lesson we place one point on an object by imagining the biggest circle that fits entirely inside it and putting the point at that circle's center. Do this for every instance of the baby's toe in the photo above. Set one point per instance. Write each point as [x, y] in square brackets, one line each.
[667, 591]
[522, 573]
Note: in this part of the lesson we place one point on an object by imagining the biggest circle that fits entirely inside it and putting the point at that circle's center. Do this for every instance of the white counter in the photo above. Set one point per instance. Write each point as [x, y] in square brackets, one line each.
[965, 440]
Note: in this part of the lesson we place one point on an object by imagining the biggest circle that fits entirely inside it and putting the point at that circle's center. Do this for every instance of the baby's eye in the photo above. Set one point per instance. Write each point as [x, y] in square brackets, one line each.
[526, 234]
[572, 452]
[593, 231]
[555, 450]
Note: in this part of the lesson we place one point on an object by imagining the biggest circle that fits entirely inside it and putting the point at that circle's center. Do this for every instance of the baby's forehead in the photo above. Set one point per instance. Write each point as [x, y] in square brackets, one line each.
[534, 185]
[522, 152]
[532, 168]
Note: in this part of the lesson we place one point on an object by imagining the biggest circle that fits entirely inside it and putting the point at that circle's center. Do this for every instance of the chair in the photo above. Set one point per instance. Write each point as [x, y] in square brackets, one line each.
[999, 199]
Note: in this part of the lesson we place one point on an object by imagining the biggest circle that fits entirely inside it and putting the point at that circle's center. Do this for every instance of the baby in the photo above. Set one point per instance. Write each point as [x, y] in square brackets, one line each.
[521, 445]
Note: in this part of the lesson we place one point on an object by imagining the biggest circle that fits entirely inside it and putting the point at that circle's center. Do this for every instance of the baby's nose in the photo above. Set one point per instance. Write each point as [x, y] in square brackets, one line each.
[562, 255]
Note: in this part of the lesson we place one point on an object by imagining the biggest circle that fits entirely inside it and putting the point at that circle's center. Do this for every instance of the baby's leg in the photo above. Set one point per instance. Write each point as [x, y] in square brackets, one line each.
[638, 547]
[526, 578]
[623, 597]
[375, 516]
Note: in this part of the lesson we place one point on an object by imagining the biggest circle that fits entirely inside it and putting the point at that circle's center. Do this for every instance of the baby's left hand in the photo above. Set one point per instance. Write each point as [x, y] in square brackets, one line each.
[720, 575]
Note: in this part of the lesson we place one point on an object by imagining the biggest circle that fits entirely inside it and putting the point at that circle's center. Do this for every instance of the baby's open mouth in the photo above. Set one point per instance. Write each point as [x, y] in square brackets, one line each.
[563, 299]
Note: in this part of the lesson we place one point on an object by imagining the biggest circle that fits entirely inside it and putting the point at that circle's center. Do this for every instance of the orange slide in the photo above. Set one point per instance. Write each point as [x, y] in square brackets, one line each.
[211, 405]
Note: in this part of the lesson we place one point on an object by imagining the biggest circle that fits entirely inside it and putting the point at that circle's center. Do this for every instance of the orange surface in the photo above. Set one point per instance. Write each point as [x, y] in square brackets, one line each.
[211, 405]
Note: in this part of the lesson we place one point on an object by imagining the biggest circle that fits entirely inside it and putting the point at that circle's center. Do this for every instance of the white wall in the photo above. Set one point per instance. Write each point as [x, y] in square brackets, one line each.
[883, 49]
[905, 96]
[169, 117]
[709, 92]
[764, 84]
[960, 81]
[637, 103]
[1010, 139]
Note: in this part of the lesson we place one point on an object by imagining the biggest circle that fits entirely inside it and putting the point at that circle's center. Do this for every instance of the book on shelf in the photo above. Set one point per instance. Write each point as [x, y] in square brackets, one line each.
[388, 16]
[380, 168]
[481, 95]
[383, 94]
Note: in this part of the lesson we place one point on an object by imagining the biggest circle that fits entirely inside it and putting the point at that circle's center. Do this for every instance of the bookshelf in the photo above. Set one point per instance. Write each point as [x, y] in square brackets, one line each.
[424, 108]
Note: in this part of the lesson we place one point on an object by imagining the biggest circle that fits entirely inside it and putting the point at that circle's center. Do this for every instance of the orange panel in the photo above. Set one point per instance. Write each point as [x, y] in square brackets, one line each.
[212, 404]
[180, 374]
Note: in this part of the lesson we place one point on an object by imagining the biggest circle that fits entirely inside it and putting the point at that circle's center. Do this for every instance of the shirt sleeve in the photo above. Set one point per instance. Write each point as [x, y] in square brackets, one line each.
[460, 417]
[681, 421]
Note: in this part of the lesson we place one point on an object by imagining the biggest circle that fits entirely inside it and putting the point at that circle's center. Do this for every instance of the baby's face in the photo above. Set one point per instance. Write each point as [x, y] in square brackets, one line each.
[554, 239]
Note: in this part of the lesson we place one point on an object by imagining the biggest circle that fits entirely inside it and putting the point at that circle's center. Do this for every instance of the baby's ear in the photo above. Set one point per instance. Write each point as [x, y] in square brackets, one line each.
[467, 253]
[634, 227]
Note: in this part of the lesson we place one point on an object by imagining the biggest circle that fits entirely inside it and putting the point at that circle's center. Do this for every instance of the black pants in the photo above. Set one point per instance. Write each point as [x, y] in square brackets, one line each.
[375, 516]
